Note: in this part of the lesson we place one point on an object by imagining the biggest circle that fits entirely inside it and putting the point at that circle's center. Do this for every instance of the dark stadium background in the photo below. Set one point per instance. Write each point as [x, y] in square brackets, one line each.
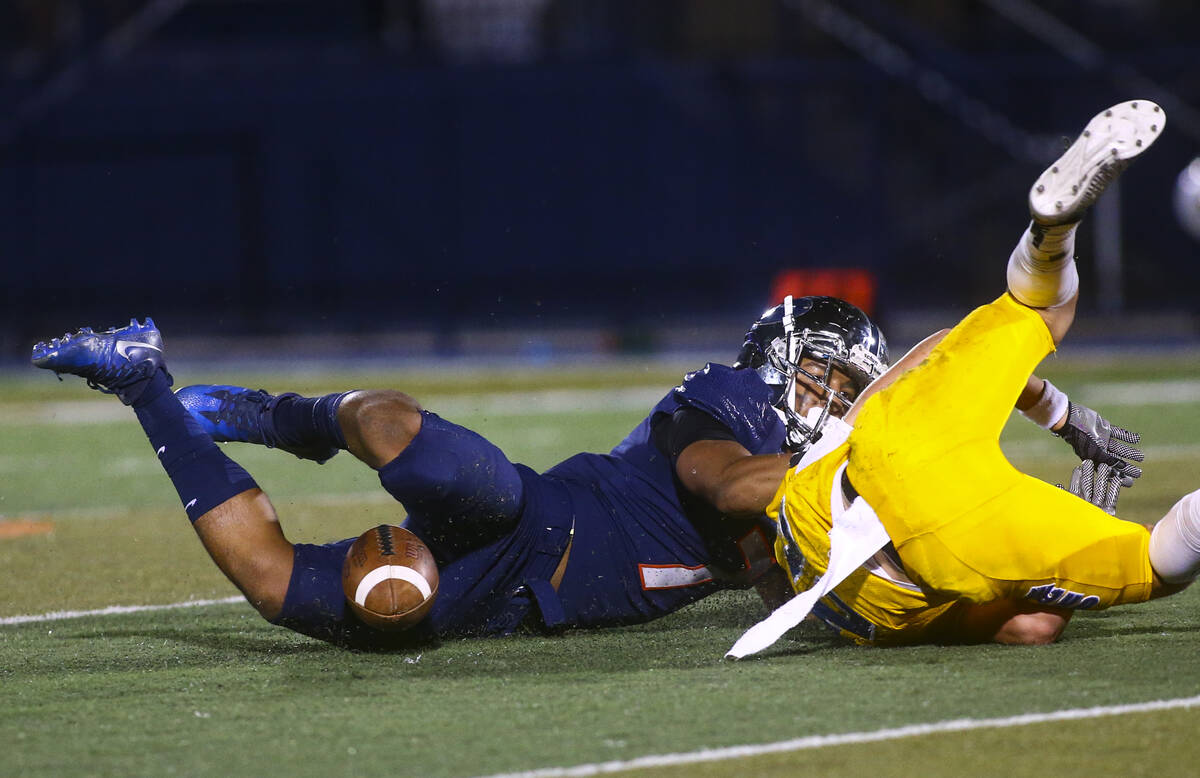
[634, 172]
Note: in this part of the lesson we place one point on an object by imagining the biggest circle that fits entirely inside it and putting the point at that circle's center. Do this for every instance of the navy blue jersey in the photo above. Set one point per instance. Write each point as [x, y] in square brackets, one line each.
[647, 554]
[498, 530]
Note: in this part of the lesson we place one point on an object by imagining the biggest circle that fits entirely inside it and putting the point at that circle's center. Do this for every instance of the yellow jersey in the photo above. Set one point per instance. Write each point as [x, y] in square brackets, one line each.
[965, 525]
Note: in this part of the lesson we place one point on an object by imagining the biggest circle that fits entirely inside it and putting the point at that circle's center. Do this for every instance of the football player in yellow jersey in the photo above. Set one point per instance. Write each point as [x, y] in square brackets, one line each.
[905, 523]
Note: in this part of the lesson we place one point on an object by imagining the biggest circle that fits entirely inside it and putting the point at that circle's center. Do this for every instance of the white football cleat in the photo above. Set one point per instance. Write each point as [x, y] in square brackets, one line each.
[1108, 144]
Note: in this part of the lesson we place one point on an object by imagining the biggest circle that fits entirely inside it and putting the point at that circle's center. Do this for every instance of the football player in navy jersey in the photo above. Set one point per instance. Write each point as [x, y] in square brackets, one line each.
[674, 513]
[599, 539]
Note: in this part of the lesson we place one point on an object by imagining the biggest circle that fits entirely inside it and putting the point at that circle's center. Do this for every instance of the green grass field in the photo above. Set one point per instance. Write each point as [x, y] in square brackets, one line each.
[214, 690]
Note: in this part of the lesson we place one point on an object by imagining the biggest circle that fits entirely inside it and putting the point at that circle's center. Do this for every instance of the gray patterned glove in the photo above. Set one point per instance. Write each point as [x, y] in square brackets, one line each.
[1095, 439]
[1098, 484]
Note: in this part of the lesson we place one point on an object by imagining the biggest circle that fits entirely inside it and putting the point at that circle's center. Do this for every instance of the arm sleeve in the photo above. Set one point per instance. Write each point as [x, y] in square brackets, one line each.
[675, 432]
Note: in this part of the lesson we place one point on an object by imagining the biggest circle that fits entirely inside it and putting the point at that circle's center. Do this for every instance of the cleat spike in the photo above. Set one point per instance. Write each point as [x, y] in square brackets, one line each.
[1105, 147]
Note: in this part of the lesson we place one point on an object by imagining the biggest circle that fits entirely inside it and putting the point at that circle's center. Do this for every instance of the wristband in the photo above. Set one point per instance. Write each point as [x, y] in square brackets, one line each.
[1049, 408]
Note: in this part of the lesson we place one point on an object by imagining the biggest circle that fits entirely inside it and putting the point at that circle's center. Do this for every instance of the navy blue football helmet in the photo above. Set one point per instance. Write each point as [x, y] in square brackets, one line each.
[823, 328]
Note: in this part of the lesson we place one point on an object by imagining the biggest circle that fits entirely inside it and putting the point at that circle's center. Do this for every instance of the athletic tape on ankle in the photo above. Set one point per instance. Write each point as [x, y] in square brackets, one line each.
[1041, 284]
[1041, 268]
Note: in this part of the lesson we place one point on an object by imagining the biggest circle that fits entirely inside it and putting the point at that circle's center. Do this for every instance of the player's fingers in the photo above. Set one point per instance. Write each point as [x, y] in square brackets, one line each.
[1125, 451]
[1120, 433]
[1128, 470]
[1076, 486]
[1104, 474]
[1112, 488]
[1086, 486]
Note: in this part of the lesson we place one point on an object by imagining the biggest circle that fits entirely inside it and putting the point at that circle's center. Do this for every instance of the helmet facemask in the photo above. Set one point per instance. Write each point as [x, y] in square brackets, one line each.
[782, 368]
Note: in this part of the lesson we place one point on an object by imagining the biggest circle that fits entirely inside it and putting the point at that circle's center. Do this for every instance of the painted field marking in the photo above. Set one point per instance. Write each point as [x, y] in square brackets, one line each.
[1051, 448]
[1107, 393]
[713, 754]
[529, 403]
[823, 741]
[1172, 392]
[333, 500]
[21, 528]
[114, 610]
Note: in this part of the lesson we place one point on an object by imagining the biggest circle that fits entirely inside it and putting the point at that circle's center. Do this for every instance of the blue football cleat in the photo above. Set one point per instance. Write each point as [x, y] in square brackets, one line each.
[241, 415]
[117, 361]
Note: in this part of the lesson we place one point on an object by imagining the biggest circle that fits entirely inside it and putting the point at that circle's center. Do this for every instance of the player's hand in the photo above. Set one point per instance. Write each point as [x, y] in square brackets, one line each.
[1098, 484]
[1094, 438]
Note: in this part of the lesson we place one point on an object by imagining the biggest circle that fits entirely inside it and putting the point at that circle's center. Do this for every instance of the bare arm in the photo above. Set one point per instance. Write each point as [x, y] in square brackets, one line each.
[1012, 622]
[729, 478]
[738, 484]
[1031, 394]
[774, 588]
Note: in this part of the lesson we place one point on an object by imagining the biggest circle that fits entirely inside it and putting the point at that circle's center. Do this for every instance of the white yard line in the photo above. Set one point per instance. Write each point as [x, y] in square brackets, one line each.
[712, 754]
[823, 741]
[102, 411]
[373, 497]
[1053, 447]
[113, 610]
[1140, 393]
[1050, 447]
[107, 411]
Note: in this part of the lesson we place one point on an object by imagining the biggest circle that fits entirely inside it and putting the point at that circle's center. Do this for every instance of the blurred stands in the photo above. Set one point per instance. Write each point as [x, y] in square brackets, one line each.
[637, 171]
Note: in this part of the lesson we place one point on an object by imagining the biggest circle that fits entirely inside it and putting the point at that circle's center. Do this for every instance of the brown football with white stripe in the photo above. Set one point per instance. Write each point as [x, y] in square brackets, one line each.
[389, 578]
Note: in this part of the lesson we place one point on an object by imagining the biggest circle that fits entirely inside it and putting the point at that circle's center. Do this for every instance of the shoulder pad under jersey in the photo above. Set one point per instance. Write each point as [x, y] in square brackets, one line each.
[739, 399]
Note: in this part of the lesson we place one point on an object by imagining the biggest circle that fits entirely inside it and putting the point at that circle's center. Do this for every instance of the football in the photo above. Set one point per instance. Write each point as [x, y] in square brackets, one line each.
[389, 578]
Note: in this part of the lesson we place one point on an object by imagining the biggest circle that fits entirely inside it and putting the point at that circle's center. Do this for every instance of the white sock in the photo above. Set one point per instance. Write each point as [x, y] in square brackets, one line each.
[1175, 541]
[1041, 269]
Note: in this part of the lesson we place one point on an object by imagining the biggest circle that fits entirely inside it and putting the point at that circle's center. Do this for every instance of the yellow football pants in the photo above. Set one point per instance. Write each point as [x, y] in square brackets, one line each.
[925, 454]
